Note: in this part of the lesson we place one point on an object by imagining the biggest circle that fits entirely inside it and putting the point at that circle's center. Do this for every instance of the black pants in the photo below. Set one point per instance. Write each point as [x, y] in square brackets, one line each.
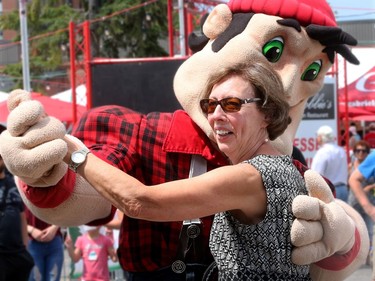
[15, 266]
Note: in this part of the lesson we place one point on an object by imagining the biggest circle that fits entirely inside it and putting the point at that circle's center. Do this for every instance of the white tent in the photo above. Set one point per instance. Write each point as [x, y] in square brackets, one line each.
[81, 98]
[3, 96]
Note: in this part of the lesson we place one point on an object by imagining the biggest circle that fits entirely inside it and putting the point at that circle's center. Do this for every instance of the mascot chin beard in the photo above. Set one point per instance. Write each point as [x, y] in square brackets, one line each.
[299, 39]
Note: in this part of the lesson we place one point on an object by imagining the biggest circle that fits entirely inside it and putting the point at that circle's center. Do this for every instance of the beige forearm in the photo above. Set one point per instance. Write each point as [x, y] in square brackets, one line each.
[355, 182]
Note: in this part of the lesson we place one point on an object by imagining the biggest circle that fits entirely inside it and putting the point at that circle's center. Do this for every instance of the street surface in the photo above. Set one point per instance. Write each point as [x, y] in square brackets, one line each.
[362, 274]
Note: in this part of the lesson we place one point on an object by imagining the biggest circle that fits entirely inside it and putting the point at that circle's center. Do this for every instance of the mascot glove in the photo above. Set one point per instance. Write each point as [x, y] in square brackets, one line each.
[32, 146]
[322, 227]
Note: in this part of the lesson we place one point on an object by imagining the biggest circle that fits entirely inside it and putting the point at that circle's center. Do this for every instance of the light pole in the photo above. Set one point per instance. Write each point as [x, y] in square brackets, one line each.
[24, 45]
[181, 15]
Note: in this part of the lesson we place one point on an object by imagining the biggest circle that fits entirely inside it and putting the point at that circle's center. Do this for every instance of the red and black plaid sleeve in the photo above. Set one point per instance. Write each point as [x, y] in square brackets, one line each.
[134, 143]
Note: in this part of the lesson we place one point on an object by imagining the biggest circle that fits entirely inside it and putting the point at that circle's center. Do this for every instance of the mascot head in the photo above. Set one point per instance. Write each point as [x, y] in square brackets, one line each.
[299, 38]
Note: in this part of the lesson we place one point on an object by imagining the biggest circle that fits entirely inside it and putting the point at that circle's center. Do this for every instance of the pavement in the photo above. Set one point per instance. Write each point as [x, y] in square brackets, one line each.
[362, 274]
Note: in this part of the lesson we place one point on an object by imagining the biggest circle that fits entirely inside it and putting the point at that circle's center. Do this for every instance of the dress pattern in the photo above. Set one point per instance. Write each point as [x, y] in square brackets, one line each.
[262, 251]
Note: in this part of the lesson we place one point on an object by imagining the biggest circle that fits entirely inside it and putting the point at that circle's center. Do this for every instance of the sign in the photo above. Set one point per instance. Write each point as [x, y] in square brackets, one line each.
[321, 109]
[361, 86]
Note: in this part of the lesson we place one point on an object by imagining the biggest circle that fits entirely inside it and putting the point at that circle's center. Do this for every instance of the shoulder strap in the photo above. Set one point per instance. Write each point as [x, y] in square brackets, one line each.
[189, 239]
[198, 166]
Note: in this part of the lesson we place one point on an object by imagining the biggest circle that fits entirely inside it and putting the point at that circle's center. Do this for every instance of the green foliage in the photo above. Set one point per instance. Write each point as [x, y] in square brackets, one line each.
[134, 33]
[45, 44]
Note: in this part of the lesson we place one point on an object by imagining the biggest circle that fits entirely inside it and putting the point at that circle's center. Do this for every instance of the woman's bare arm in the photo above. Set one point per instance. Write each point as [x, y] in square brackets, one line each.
[237, 187]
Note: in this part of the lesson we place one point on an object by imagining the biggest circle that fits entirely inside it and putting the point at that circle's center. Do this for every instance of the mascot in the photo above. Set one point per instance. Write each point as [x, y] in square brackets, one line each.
[299, 38]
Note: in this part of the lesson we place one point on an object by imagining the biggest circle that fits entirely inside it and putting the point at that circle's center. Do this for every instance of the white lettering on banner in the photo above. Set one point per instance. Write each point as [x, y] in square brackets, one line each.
[364, 83]
[315, 115]
[319, 102]
[362, 103]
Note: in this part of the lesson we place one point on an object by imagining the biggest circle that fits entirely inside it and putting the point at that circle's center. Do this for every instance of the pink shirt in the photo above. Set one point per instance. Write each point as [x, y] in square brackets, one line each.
[94, 256]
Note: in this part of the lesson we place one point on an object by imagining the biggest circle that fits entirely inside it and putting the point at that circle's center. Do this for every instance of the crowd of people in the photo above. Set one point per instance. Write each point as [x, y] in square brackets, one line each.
[353, 176]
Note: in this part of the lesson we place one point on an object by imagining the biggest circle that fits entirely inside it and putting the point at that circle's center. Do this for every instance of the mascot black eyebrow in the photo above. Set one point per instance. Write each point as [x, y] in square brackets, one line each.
[298, 38]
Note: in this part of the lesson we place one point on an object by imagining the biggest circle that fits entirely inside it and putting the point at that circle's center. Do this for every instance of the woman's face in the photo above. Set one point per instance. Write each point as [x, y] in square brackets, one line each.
[360, 152]
[236, 133]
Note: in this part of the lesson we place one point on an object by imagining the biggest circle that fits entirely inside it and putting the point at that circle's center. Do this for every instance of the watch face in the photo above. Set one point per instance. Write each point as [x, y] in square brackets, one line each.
[78, 157]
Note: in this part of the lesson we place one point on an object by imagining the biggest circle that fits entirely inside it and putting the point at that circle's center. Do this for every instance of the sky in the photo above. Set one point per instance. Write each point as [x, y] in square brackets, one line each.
[348, 10]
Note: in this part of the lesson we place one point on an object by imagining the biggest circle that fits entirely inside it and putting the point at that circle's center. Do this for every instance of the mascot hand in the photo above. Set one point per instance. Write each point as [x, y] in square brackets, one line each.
[322, 227]
[32, 146]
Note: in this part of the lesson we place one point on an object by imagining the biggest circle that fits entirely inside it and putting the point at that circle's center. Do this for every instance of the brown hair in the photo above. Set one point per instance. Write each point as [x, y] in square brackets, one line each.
[364, 144]
[268, 87]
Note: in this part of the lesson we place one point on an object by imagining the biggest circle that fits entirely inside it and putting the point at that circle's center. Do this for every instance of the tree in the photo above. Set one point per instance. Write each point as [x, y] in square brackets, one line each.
[136, 32]
[49, 18]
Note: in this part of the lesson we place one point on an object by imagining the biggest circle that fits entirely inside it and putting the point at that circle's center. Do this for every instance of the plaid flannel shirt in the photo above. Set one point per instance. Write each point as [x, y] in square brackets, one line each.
[154, 148]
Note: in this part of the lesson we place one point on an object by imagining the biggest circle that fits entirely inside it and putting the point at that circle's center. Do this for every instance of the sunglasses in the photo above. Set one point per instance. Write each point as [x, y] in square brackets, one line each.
[361, 150]
[228, 104]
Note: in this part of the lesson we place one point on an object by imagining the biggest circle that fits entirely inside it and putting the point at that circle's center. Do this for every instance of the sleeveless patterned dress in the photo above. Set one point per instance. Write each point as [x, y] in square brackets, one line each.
[262, 251]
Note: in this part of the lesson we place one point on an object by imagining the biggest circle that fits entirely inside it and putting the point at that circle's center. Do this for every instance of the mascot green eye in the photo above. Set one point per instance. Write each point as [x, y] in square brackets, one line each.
[273, 49]
[312, 71]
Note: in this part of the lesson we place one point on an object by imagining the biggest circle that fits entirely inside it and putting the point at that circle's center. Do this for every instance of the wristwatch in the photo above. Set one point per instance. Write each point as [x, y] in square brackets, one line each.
[77, 158]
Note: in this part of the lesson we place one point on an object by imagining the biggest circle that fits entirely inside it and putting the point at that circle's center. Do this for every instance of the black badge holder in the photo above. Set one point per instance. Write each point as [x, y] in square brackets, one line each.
[189, 242]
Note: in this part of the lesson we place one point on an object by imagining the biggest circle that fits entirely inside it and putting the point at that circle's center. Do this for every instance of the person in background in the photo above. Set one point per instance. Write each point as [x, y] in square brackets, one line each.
[361, 150]
[353, 136]
[331, 162]
[46, 247]
[112, 230]
[363, 173]
[370, 135]
[94, 249]
[15, 261]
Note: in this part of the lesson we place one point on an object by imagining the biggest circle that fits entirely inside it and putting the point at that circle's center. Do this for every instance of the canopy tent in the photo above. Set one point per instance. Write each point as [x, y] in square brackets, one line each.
[360, 91]
[60, 109]
[3, 96]
[81, 98]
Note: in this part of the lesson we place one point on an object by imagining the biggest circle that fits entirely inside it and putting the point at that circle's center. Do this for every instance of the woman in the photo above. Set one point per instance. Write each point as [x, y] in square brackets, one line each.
[252, 199]
[46, 247]
[361, 150]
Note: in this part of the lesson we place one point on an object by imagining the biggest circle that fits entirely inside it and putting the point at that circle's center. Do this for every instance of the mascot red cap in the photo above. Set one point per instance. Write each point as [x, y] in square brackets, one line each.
[305, 11]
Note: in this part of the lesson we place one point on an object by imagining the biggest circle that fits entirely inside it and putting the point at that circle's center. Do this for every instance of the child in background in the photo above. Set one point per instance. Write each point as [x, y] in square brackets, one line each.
[94, 248]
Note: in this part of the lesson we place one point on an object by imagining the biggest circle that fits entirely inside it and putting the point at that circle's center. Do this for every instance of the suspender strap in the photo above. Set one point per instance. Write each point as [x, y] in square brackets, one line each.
[198, 166]
[189, 241]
